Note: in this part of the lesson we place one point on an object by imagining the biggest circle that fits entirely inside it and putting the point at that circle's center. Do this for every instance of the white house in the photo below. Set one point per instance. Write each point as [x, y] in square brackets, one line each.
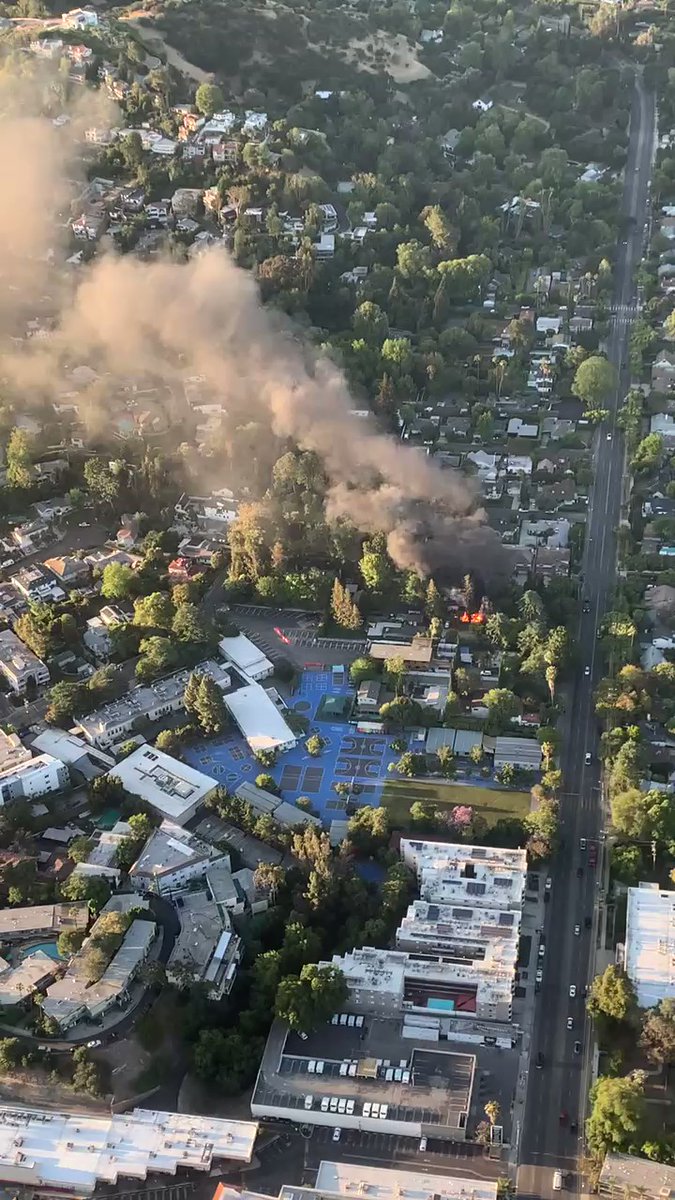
[246, 656]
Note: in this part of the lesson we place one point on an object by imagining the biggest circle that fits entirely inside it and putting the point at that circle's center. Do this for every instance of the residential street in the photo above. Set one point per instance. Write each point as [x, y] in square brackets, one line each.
[561, 1084]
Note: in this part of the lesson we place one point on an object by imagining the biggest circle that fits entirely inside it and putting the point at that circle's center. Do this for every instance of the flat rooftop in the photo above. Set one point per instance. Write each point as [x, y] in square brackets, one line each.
[623, 1174]
[21, 922]
[245, 655]
[258, 718]
[472, 876]
[384, 1183]
[145, 699]
[650, 943]
[485, 935]
[438, 1094]
[168, 849]
[76, 1151]
[169, 785]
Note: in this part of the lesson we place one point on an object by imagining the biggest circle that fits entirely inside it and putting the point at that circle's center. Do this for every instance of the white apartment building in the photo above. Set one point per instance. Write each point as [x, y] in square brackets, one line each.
[36, 777]
[22, 669]
[144, 704]
[12, 751]
[70, 1153]
[70, 1000]
[171, 859]
[480, 935]
[475, 876]
[649, 954]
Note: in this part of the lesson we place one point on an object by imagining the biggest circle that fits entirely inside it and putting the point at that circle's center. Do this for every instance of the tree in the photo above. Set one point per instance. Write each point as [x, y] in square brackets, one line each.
[658, 1033]
[118, 582]
[19, 461]
[69, 942]
[154, 611]
[314, 745]
[269, 877]
[310, 998]
[502, 704]
[103, 482]
[86, 1074]
[612, 995]
[208, 99]
[369, 829]
[92, 888]
[492, 1111]
[188, 626]
[433, 601]
[267, 783]
[66, 700]
[10, 1053]
[396, 670]
[446, 761]
[363, 668]
[617, 1111]
[410, 765]
[649, 453]
[209, 707]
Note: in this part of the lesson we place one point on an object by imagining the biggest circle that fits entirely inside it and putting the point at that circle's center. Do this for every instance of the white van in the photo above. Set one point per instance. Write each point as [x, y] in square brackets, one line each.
[324, 1103]
[557, 1181]
[344, 1067]
[311, 1066]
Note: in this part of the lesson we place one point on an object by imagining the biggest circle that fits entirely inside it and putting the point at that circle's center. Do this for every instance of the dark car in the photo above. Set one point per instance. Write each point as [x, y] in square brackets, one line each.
[586, 606]
[540, 1060]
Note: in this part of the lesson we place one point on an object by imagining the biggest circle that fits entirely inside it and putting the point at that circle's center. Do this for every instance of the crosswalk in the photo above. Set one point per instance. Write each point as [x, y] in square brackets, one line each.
[624, 314]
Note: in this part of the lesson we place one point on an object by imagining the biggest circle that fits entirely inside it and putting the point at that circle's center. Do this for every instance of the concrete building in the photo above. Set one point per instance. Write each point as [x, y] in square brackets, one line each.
[171, 859]
[377, 1078]
[36, 583]
[70, 1153]
[246, 656]
[206, 946]
[517, 752]
[39, 920]
[31, 974]
[650, 943]
[37, 777]
[13, 753]
[169, 786]
[144, 705]
[72, 998]
[626, 1175]
[482, 936]
[259, 719]
[343, 1179]
[22, 669]
[74, 751]
[485, 877]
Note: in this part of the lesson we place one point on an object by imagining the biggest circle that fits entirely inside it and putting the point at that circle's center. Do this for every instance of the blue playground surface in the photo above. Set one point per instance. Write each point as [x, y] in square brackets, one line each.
[347, 755]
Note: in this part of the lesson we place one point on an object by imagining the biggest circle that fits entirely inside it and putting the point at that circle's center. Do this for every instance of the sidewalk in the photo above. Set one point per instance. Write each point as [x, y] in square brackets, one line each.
[524, 1013]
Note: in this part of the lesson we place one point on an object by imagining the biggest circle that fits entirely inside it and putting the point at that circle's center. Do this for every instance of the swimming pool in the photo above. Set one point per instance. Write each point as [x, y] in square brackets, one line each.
[46, 948]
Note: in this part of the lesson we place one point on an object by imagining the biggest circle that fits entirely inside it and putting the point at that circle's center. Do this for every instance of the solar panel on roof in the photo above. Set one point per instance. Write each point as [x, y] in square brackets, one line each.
[433, 912]
[462, 914]
[479, 852]
[506, 918]
[475, 888]
[502, 881]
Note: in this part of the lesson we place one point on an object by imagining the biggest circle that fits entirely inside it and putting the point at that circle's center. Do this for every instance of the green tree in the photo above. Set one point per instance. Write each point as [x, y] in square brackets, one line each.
[103, 483]
[502, 704]
[314, 745]
[369, 829]
[209, 99]
[617, 1112]
[66, 700]
[188, 626]
[92, 888]
[226, 1059]
[594, 381]
[310, 998]
[649, 453]
[658, 1033]
[19, 460]
[612, 995]
[86, 1074]
[363, 668]
[209, 707]
[154, 611]
[69, 942]
[118, 582]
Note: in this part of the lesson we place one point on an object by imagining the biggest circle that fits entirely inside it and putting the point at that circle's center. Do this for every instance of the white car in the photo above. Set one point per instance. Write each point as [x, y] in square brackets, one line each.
[577, 930]
[573, 990]
[570, 1022]
[609, 437]
[587, 758]
[93, 1043]
[423, 1144]
[587, 671]
[336, 1134]
[539, 976]
[542, 950]
[309, 1101]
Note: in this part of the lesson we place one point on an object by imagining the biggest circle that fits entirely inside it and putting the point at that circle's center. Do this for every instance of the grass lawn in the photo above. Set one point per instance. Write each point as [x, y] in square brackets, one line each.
[493, 805]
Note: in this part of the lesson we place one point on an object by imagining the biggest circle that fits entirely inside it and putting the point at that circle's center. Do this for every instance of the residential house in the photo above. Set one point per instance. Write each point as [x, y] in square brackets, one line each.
[551, 563]
[209, 514]
[53, 510]
[70, 572]
[182, 570]
[23, 669]
[663, 424]
[35, 583]
[90, 225]
[663, 372]
[368, 696]
[80, 18]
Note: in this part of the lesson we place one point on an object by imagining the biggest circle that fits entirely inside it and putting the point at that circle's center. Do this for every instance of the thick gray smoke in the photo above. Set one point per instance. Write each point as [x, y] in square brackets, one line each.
[160, 322]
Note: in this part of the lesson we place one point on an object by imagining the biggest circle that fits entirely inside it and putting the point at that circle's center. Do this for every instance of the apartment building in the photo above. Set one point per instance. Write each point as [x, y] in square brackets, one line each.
[23, 670]
[36, 777]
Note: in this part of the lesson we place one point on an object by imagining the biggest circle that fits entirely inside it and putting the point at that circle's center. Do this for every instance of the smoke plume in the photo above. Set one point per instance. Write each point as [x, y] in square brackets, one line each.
[158, 323]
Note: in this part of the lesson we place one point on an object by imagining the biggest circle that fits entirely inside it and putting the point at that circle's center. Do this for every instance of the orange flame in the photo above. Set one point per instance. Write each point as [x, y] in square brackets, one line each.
[476, 618]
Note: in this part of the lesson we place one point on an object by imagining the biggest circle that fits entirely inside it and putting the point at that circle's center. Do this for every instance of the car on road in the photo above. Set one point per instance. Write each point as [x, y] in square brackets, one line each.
[549, 883]
[582, 843]
[83, 525]
[564, 1116]
[573, 990]
[540, 1060]
[577, 1047]
[577, 930]
[587, 758]
[542, 949]
[336, 1133]
[539, 976]
[587, 671]
[588, 921]
[609, 437]
[423, 1144]
[93, 1043]
[570, 1022]
[580, 871]
[557, 1181]
[587, 606]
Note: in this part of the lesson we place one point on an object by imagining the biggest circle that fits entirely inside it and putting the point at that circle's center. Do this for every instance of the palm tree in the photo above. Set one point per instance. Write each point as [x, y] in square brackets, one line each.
[492, 1110]
[551, 678]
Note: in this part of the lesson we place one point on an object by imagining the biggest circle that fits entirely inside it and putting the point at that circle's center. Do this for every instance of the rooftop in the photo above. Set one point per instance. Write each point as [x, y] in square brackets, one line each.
[170, 847]
[258, 718]
[75, 1151]
[626, 1173]
[170, 786]
[650, 943]
[21, 922]
[141, 701]
[384, 1183]
[244, 654]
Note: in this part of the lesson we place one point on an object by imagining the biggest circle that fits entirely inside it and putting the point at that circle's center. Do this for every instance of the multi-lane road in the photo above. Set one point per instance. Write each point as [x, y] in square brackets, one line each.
[559, 1086]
